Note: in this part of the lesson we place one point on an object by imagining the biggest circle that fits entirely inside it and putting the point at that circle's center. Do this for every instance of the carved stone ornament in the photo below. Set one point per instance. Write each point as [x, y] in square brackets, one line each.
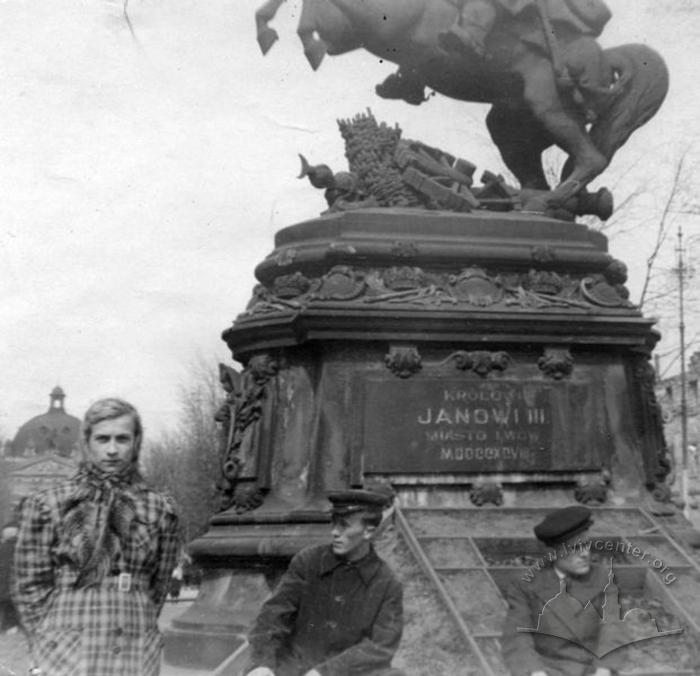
[403, 278]
[480, 362]
[661, 492]
[599, 292]
[265, 302]
[616, 272]
[247, 497]
[341, 283]
[262, 367]
[291, 286]
[544, 282]
[286, 257]
[556, 362]
[486, 492]
[403, 361]
[591, 492]
[245, 393]
[650, 429]
[533, 290]
[476, 287]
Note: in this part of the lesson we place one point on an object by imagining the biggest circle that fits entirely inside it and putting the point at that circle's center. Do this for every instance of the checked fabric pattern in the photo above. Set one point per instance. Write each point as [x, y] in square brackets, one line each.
[95, 629]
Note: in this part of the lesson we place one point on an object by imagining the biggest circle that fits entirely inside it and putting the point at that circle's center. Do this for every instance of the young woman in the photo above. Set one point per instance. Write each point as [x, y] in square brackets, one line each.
[94, 557]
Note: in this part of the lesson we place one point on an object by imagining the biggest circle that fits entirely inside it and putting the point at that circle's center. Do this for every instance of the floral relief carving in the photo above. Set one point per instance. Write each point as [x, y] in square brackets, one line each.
[237, 417]
[471, 287]
[341, 282]
[476, 287]
[291, 286]
[486, 492]
[591, 492]
[402, 278]
[651, 431]
[480, 362]
[403, 361]
[556, 363]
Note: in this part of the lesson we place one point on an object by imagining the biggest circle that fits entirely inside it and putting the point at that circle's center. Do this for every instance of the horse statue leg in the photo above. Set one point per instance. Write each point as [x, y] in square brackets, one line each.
[521, 139]
[315, 49]
[267, 36]
[563, 126]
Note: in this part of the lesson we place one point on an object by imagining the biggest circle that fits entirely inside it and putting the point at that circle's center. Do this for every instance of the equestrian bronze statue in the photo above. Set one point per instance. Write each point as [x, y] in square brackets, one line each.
[537, 62]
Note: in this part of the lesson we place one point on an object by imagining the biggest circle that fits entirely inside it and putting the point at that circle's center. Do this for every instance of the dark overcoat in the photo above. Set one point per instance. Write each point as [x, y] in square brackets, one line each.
[524, 653]
[338, 617]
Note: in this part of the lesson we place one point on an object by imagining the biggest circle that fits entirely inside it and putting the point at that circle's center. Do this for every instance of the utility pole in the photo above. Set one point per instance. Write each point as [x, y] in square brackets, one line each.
[685, 494]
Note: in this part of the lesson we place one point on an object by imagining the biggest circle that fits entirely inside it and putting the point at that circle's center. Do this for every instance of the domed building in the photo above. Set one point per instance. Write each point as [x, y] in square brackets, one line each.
[55, 432]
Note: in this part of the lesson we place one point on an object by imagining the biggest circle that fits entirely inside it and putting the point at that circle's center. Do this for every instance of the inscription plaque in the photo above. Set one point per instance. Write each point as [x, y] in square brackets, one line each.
[451, 425]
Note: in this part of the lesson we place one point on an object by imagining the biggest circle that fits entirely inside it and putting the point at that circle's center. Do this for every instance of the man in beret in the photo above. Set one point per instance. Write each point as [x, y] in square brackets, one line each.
[571, 569]
[338, 608]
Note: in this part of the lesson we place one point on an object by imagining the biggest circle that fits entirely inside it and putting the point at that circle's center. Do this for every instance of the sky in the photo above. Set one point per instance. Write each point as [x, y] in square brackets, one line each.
[142, 179]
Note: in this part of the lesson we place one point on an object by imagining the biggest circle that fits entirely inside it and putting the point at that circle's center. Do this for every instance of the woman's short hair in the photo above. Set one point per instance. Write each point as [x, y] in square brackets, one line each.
[109, 409]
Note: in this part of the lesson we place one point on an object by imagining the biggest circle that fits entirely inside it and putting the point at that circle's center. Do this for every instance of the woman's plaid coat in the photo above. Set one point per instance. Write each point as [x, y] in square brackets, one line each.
[108, 628]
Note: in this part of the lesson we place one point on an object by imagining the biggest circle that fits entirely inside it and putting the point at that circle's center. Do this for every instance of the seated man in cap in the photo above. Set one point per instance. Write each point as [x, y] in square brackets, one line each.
[338, 608]
[540, 654]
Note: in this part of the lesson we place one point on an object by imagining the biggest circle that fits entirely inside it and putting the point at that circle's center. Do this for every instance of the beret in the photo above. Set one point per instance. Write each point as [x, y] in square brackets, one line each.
[356, 500]
[563, 524]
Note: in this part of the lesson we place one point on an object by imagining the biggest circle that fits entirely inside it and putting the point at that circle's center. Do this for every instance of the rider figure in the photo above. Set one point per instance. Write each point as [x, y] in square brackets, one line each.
[474, 23]
[476, 19]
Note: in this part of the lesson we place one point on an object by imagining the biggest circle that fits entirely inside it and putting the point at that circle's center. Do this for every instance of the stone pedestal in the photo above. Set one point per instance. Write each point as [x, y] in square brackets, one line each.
[475, 354]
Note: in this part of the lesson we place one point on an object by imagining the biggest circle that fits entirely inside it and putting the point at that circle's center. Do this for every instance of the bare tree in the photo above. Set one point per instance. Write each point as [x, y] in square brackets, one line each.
[185, 462]
[663, 225]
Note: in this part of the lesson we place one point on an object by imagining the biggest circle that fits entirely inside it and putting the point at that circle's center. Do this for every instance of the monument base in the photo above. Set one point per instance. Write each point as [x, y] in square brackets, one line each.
[235, 585]
[486, 364]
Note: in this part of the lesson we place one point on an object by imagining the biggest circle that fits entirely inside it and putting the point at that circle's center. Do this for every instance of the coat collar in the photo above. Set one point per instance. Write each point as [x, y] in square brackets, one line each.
[366, 567]
[587, 586]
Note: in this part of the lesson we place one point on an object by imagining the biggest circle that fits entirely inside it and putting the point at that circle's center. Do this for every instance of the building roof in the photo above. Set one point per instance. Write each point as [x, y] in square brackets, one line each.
[54, 431]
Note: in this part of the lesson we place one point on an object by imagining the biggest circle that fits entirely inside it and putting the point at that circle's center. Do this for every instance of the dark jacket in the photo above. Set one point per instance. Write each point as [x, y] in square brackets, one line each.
[524, 653]
[340, 618]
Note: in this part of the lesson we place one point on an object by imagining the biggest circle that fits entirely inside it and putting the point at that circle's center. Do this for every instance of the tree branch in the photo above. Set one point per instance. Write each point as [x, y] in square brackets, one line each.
[662, 230]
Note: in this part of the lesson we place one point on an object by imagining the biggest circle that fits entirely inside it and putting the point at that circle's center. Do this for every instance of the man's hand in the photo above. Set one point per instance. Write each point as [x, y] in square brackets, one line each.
[312, 672]
[261, 671]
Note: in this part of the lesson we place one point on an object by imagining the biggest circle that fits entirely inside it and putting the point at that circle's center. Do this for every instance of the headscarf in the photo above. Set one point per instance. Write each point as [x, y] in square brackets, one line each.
[97, 518]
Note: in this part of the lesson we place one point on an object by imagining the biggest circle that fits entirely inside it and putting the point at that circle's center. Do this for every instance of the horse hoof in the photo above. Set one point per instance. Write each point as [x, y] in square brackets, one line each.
[606, 204]
[315, 53]
[266, 38]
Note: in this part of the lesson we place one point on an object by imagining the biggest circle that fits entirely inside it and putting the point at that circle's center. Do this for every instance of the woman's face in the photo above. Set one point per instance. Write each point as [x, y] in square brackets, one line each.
[112, 443]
